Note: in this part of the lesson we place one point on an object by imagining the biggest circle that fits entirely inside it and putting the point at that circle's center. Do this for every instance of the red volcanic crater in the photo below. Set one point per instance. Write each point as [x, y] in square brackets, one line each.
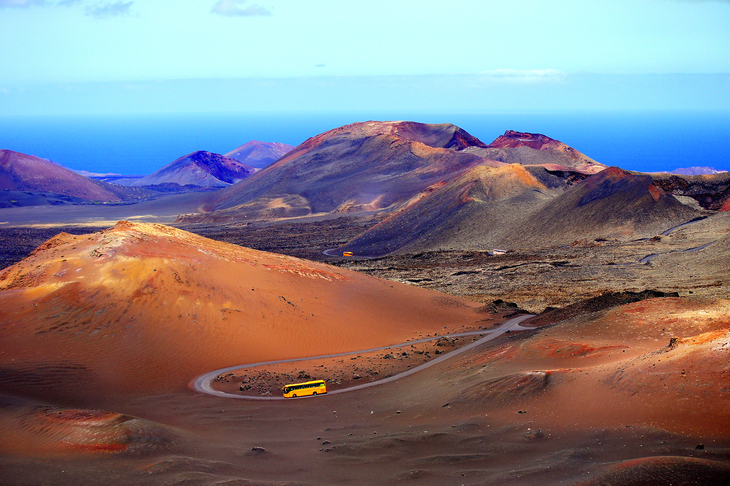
[537, 149]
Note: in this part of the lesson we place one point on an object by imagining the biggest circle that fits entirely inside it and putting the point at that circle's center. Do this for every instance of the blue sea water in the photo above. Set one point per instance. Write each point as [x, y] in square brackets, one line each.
[140, 144]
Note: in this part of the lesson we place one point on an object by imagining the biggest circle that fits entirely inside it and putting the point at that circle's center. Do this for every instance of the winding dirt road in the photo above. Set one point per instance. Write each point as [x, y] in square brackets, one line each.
[203, 383]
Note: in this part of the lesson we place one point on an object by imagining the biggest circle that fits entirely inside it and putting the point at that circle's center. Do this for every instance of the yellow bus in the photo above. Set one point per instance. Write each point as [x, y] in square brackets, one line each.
[317, 387]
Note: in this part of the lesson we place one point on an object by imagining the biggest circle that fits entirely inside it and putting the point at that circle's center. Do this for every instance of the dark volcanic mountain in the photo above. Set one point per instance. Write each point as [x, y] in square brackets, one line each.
[521, 207]
[611, 204]
[21, 172]
[260, 154]
[199, 169]
[471, 212]
[359, 167]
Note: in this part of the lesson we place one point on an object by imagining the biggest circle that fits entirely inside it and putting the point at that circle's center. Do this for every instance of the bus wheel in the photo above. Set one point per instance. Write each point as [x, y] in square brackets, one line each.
[314, 393]
[294, 395]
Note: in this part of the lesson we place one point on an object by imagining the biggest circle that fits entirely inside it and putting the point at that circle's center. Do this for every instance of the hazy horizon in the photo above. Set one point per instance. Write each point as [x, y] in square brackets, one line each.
[647, 141]
[94, 57]
[341, 62]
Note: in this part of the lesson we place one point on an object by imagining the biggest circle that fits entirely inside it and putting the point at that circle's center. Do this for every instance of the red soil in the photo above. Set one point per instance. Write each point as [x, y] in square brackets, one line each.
[184, 305]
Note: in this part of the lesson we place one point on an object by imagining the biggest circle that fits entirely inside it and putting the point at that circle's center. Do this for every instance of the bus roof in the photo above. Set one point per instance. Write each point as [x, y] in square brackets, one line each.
[305, 383]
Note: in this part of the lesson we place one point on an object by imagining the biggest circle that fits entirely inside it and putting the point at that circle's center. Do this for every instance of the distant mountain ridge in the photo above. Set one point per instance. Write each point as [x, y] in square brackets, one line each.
[199, 168]
[259, 154]
[364, 166]
[696, 171]
[22, 172]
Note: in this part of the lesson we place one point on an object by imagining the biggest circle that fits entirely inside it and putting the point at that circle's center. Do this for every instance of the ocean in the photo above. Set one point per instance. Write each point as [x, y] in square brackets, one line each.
[140, 144]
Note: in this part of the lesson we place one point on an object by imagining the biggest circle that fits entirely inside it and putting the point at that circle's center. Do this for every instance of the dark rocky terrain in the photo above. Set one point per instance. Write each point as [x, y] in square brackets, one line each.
[709, 191]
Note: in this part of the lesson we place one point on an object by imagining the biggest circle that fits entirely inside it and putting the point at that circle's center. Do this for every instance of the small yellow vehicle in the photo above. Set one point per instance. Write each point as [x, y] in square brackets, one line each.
[317, 387]
[347, 254]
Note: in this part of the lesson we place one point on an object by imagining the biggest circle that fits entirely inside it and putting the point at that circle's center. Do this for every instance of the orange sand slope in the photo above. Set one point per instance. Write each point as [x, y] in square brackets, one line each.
[27, 428]
[144, 307]
[661, 363]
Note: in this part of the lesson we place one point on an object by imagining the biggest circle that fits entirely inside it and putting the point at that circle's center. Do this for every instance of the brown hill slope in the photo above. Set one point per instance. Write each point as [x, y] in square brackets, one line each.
[149, 307]
[199, 169]
[363, 166]
[611, 204]
[259, 154]
[471, 212]
[21, 172]
[519, 207]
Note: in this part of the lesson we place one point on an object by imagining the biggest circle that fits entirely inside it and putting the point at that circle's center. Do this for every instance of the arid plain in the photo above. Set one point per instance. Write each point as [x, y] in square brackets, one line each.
[622, 377]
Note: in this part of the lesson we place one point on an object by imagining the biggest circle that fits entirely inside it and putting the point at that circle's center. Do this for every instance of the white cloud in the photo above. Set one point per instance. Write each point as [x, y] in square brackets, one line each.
[106, 10]
[20, 3]
[235, 8]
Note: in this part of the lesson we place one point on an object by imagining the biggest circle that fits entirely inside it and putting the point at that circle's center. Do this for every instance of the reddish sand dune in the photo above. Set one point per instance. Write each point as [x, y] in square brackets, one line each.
[42, 429]
[661, 471]
[663, 363]
[148, 307]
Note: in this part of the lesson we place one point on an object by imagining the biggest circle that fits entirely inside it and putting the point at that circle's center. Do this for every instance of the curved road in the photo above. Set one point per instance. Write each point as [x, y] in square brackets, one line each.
[202, 383]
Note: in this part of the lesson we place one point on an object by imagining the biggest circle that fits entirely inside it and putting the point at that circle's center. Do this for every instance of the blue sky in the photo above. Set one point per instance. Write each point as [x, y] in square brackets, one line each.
[89, 56]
